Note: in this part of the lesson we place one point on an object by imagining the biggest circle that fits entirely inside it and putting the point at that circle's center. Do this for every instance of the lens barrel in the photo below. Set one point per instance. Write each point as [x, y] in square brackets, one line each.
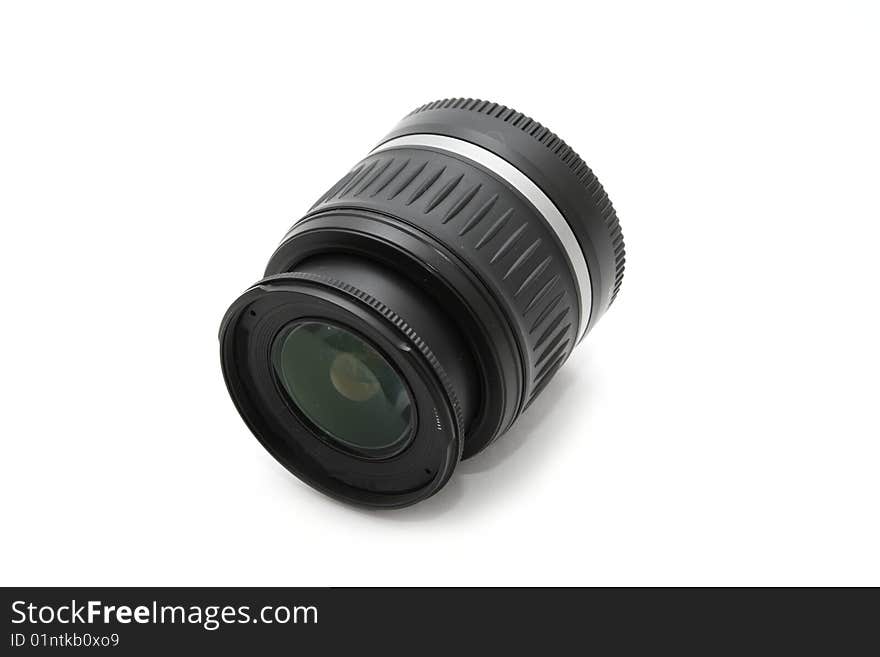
[466, 255]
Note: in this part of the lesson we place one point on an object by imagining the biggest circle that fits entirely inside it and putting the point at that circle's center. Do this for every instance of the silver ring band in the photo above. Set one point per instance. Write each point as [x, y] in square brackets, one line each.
[532, 193]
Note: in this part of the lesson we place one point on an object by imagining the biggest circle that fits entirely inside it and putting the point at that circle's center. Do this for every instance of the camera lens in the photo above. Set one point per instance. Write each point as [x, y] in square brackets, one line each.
[423, 303]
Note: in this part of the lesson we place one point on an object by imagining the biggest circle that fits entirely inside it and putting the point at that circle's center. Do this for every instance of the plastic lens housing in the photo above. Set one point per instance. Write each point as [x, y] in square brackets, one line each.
[423, 303]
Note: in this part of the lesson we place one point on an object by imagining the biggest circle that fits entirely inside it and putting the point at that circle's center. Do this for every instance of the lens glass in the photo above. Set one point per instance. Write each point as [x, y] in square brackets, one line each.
[344, 387]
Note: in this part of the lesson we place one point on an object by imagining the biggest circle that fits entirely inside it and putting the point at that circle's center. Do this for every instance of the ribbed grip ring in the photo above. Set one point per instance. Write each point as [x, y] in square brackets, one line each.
[561, 150]
[493, 229]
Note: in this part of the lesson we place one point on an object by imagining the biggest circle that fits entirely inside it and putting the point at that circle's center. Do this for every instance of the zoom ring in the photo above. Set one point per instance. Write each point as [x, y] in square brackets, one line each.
[491, 227]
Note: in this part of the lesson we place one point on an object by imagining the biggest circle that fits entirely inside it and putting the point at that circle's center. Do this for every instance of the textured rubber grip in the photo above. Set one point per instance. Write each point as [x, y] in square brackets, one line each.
[492, 229]
[551, 163]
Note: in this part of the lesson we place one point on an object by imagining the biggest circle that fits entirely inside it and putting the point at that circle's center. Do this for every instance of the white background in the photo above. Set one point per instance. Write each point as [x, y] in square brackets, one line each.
[719, 426]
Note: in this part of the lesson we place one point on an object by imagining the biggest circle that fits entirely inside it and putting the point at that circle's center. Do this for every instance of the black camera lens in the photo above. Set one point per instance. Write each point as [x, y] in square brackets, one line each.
[421, 305]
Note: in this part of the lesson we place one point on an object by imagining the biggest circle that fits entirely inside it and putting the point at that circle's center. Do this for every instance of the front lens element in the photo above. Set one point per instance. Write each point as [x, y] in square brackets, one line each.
[344, 387]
